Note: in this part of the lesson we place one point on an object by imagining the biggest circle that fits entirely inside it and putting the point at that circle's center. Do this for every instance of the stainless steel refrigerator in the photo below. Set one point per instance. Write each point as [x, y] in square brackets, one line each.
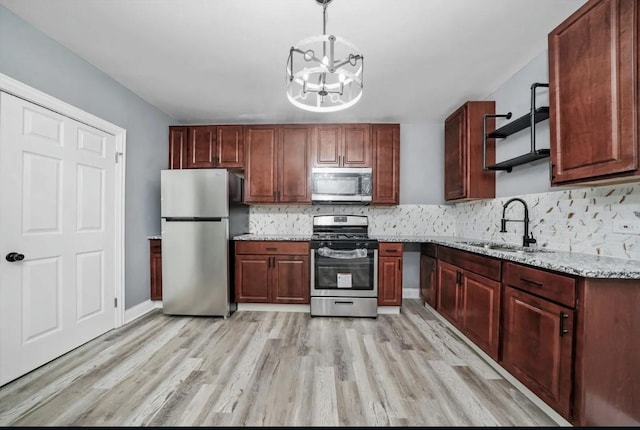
[201, 210]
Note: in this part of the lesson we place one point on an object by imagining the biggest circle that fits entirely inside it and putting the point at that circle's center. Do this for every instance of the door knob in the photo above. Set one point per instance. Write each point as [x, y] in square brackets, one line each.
[14, 256]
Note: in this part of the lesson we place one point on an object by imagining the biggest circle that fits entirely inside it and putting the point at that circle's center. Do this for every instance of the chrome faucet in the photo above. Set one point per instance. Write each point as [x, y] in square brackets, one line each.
[526, 240]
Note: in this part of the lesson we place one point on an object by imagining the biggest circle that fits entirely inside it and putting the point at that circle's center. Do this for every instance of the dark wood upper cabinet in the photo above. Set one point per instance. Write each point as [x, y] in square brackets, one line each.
[594, 71]
[206, 147]
[230, 146]
[342, 145]
[386, 164]
[177, 147]
[277, 164]
[464, 176]
[261, 163]
[294, 173]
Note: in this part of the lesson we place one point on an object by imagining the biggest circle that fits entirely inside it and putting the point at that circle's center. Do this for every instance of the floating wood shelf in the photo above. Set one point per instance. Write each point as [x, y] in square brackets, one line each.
[530, 119]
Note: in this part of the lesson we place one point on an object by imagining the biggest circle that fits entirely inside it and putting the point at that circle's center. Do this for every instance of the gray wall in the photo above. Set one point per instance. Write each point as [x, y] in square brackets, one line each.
[421, 164]
[34, 59]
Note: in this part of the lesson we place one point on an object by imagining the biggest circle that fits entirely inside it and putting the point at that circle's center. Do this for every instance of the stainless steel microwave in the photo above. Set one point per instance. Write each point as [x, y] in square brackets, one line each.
[341, 185]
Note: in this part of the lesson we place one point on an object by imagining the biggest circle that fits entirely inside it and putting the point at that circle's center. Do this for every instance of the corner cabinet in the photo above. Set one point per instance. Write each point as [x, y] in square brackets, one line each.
[206, 147]
[429, 274]
[272, 272]
[595, 94]
[464, 176]
[277, 164]
[390, 274]
[385, 139]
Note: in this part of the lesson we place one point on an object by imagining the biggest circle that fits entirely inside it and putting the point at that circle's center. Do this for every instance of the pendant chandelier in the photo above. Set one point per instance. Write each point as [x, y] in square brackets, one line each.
[324, 73]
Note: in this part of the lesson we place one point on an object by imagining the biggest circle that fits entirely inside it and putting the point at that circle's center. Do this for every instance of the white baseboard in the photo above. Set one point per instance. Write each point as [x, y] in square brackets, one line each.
[141, 309]
[388, 310]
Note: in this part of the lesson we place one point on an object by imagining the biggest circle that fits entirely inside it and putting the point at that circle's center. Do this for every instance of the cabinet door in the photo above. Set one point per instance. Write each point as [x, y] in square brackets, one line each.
[201, 147]
[177, 147]
[428, 285]
[386, 164]
[155, 256]
[261, 181]
[290, 279]
[538, 346]
[454, 152]
[389, 281]
[252, 278]
[294, 184]
[481, 312]
[327, 148]
[464, 175]
[230, 146]
[356, 146]
[449, 284]
[593, 87]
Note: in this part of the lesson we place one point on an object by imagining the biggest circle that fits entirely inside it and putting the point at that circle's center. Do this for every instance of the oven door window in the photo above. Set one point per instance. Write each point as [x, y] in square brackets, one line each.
[344, 270]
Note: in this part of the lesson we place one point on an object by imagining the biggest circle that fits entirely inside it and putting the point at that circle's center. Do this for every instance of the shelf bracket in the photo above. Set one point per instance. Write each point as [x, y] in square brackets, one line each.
[533, 113]
[484, 135]
[530, 120]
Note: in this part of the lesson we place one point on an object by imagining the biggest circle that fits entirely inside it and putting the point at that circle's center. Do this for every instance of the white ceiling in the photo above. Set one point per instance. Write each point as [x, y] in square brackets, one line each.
[223, 61]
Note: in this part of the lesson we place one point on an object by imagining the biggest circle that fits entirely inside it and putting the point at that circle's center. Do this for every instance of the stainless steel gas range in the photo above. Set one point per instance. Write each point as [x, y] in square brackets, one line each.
[344, 264]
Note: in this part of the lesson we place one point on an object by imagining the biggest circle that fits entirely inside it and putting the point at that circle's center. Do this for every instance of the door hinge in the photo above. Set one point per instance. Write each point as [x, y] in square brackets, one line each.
[115, 302]
[118, 155]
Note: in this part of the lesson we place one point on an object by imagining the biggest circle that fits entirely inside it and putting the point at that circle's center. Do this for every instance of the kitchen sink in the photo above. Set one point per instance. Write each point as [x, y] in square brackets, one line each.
[507, 248]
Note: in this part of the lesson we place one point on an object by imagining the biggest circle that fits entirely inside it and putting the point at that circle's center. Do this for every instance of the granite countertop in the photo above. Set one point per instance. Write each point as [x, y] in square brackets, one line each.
[154, 236]
[573, 263]
[290, 237]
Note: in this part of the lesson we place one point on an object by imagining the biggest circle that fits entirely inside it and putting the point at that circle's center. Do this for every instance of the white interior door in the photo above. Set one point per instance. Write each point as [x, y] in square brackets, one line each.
[56, 209]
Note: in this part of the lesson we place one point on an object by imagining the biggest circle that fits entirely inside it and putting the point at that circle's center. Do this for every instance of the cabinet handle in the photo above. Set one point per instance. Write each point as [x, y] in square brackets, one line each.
[399, 266]
[458, 278]
[271, 248]
[529, 281]
[563, 317]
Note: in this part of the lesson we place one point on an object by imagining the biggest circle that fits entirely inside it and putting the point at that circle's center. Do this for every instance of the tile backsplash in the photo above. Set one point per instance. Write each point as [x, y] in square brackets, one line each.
[578, 219]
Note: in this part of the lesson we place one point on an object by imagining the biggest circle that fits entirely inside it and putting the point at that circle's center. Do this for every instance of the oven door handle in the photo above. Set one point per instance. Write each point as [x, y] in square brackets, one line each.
[343, 254]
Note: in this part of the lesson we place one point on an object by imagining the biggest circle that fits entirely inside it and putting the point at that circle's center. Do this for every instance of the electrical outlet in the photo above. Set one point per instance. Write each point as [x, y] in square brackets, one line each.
[626, 226]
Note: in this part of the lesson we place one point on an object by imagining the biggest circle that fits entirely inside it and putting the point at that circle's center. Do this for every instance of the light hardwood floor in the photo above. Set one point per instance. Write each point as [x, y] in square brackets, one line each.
[271, 369]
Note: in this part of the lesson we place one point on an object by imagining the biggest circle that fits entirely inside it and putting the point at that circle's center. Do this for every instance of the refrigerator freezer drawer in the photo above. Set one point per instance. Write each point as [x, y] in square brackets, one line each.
[195, 268]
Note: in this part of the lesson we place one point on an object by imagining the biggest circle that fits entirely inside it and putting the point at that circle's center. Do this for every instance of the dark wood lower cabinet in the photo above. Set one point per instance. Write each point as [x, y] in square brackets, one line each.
[429, 274]
[272, 272]
[538, 346]
[155, 265]
[390, 274]
[469, 296]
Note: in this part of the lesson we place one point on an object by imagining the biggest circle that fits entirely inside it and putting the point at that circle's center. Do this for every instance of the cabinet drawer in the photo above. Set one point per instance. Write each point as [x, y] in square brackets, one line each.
[552, 286]
[388, 249]
[480, 264]
[272, 247]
